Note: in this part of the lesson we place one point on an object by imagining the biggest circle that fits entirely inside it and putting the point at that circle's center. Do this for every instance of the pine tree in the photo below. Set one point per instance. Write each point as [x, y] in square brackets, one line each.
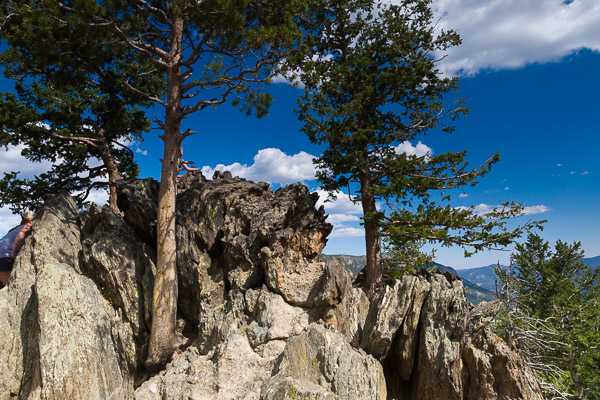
[69, 106]
[551, 312]
[372, 83]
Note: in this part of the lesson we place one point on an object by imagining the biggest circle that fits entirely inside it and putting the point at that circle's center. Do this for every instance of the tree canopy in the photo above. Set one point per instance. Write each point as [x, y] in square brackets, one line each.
[70, 105]
[372, 84]
[551, 314]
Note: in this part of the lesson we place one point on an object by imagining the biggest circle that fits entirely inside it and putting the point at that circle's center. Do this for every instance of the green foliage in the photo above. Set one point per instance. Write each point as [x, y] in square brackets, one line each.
[293, 393]
[228, 51]
[83, 68]
[71, 104]
[206, 53]
[406, 258]
[551, 314]
[371, 84]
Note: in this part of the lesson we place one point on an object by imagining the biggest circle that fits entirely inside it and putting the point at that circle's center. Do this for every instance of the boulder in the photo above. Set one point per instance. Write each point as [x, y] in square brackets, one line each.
[138, 201]
[441, 331]
[392, 308]
[349, 316]
[491, 368]
[315, 284]
[122, 266]
[61, 338]
[272, 317]
[255, 236]
[233, 371]
[225, 365]
[320, 363]
[78, 331]
[288, 388]
[54, 238]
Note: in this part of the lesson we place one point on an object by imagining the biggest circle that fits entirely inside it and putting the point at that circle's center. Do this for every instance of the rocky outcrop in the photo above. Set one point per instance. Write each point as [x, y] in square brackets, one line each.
[138, 201]
[257, 235]
[122, 267]
[65, 340]
[265, 317]
[491, 369]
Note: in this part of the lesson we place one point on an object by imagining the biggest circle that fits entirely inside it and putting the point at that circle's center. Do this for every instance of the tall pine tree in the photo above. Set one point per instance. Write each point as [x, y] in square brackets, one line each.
[372, 84]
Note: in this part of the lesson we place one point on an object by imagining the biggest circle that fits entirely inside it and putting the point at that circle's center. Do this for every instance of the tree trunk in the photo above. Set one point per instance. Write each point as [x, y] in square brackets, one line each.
[163, 338]
[575, 375]
[372, 238]
[113, 172]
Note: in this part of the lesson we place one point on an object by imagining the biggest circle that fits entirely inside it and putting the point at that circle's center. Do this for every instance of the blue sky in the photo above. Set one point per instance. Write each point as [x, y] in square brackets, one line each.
[529, 71]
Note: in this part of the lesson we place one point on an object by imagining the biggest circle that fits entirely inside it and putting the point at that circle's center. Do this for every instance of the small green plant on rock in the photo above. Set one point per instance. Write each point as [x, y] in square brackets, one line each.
[293, 393]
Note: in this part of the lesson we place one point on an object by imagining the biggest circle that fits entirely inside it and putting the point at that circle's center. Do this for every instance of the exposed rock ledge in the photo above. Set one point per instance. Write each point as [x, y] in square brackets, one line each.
[268, 319]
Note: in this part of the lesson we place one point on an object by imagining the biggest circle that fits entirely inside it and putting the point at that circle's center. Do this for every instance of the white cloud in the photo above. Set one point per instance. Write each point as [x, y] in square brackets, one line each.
[559, 165]
[531, 210]
[341, 205]
[419, 150]
[463, 195]
[339, 218]
[271, 165]
[344, 231]
[480, 209]
[572, 172]
[586, 172]
[293, 78]
[500, 34]
[507, 188]
[504, 34]
[341, 210]
[12, 160]
[134, 144]
[99, 197]
[483, 209]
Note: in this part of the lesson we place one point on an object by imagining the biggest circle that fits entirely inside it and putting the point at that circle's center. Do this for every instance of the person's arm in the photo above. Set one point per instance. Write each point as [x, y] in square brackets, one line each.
[187, 168]
[19, 240]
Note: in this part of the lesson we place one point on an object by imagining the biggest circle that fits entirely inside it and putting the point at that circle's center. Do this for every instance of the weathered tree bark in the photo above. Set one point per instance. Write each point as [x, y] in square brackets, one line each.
[372, 238]
[112, 169]
[163, 339]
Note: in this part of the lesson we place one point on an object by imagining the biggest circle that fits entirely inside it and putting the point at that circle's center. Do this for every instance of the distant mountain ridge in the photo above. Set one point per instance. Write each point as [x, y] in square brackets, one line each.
[353, 263]
[475, 293]
[480, 282]
[485, 277]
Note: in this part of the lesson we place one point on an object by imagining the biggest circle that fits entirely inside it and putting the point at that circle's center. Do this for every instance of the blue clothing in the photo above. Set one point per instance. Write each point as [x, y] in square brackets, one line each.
[7, 242]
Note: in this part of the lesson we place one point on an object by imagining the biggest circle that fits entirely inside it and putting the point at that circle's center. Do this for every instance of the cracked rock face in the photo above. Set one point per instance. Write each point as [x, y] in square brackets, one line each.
[267, 319]
[63, 339]
[320, 360]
